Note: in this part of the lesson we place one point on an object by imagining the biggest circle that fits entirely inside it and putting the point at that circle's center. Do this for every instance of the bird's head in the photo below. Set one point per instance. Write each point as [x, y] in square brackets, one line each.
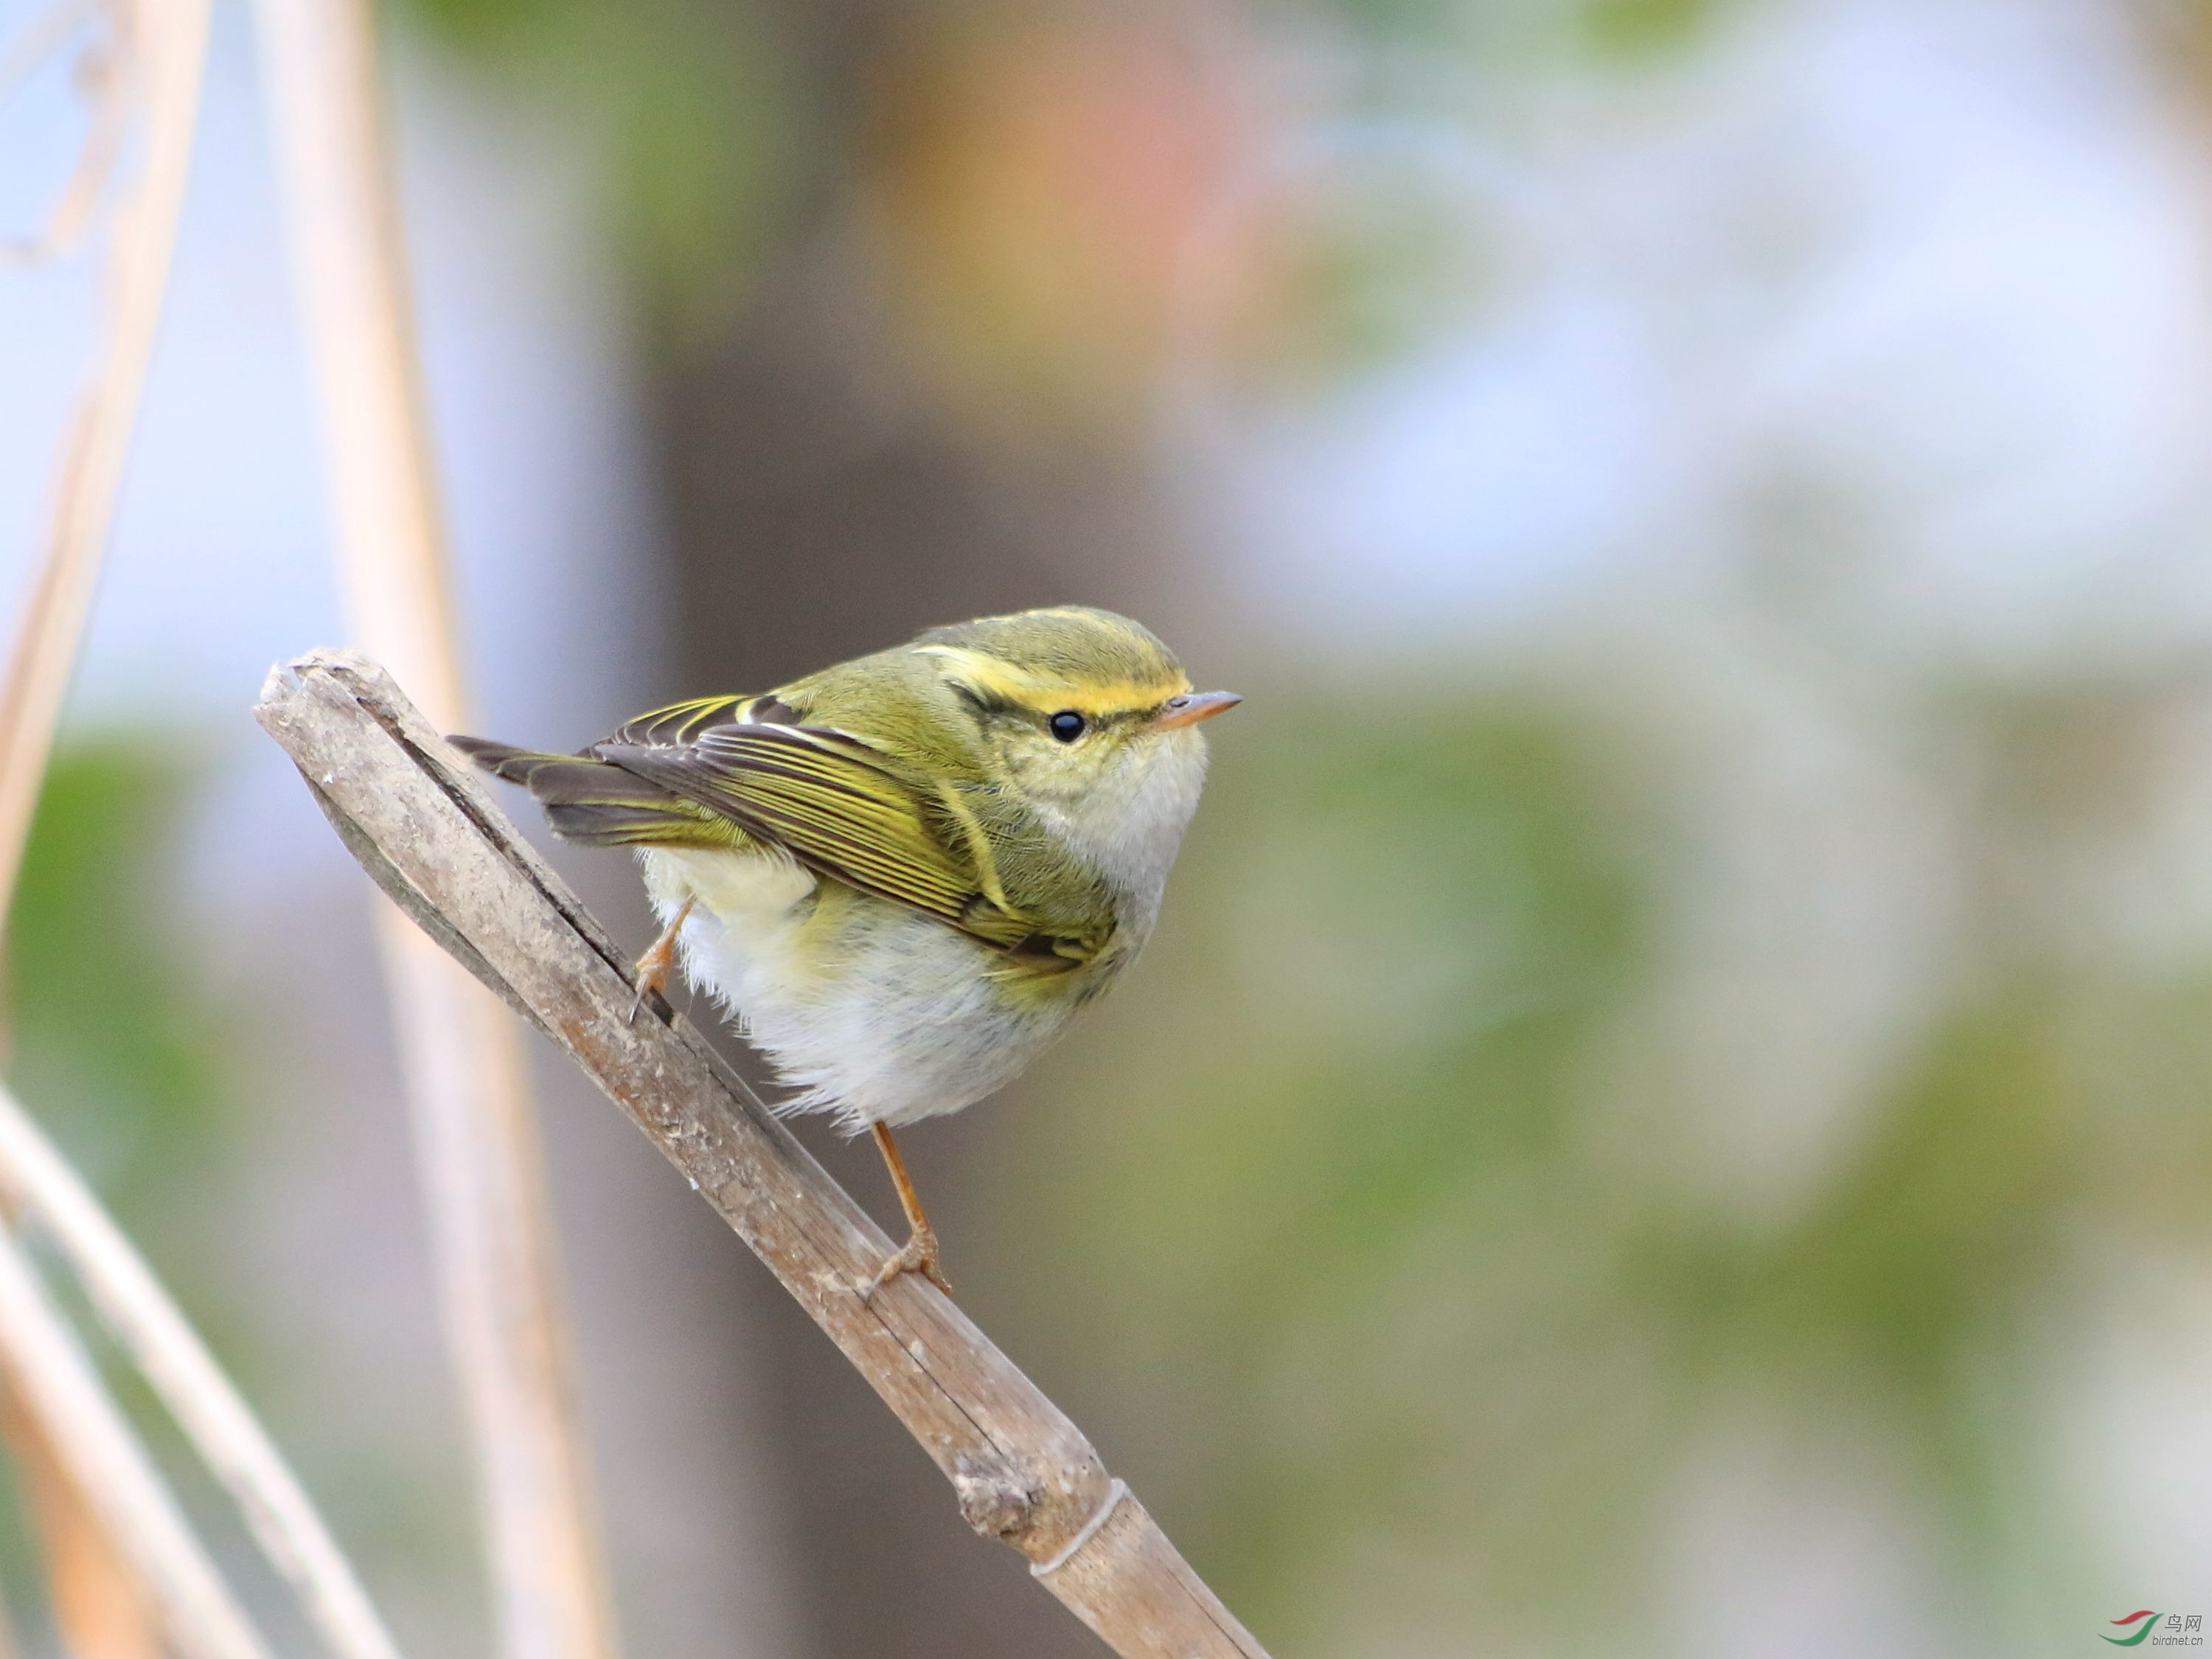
[1090, 716]
[1071, 696]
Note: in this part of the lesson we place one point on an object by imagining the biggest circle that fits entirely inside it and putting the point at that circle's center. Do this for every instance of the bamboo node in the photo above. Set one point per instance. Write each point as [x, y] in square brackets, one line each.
[1114, 1494]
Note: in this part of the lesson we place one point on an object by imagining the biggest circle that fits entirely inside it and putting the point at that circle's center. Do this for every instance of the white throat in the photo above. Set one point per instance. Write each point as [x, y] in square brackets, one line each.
[1129, 824]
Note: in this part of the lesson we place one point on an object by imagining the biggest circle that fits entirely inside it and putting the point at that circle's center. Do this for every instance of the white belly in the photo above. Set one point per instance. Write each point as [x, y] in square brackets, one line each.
[892, 1021]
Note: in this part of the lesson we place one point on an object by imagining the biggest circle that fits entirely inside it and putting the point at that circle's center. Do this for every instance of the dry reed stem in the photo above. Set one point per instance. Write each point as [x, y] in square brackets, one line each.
[98, 1607]
[475, 1127]
[104, 1461]
[161, 57]
[72, 213]
[40, 40]
[408, 808]
[49, 1196]
[170, 50]
[97, 1535]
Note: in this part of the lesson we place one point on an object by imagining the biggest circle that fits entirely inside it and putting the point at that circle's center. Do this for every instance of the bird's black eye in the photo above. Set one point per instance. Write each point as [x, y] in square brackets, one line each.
[1067, 726]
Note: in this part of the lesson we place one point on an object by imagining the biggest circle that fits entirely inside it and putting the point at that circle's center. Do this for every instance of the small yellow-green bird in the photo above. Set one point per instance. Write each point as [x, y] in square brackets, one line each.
[904, 874]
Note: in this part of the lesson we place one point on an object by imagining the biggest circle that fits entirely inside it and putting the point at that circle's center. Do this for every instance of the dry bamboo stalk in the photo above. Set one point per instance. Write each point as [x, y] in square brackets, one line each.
[168, 51]
[98, 1606]
[48, 1194]
[67, 1431]
[40, 40]
[475, 1130]
[106, 1463]
[159, 55]
[409, 808]
[73, 212]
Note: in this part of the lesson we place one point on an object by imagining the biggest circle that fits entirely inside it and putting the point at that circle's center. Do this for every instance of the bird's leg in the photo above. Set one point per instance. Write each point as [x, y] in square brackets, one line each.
[652, 967]
[918, 1255]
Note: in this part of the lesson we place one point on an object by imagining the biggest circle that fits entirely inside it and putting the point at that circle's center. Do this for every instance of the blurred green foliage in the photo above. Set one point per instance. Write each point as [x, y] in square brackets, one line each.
[712, 126]
[1629, 26]
[1616, 29]
[1370, 1189]
[112, 1043]
[1344, 1164]
[107, 1041]
[696, 119]
[1377, 271]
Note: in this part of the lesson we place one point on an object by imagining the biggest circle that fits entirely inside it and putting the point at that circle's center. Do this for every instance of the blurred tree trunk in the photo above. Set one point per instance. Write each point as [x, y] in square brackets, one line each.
[820, 508]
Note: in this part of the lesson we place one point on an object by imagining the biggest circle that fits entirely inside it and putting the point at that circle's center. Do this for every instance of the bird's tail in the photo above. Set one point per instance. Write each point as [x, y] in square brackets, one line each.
[596, 803]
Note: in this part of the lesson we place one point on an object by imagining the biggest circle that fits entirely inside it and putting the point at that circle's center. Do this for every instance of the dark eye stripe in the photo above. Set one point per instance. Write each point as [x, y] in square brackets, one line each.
[987, 708]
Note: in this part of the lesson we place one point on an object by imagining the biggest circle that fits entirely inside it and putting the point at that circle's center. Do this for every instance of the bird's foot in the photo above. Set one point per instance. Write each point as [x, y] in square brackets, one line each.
[917, 1256]
[652, 967]
[652, 977]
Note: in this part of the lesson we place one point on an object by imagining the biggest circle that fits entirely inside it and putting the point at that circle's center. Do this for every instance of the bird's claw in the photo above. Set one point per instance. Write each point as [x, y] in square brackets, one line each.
[917, 1256]
[652, 981]
[652, 967]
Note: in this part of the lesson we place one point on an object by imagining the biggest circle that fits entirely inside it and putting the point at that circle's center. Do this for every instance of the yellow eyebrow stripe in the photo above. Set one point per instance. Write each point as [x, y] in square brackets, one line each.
[1046, 693]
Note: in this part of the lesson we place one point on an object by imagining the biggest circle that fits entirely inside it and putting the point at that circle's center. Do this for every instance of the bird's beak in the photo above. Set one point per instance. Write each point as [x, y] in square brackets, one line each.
[1190, 710]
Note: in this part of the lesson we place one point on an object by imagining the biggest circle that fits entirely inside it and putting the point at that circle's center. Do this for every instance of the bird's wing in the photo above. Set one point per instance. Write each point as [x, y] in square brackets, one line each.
[846, 810]
[681, 722]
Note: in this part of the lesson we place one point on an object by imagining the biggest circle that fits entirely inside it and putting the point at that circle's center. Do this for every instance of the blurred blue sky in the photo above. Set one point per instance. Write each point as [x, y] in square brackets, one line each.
[219, 564]
[1944, 262]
